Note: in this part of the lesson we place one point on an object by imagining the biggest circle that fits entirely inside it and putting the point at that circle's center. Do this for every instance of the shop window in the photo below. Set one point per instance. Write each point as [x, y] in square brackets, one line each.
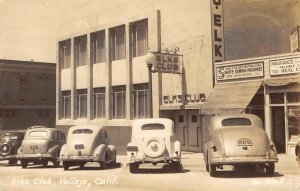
[293, 97]
[99, 103]
[117, 42]
[276, 98]
[180, 119]
[81, 103]
[194, 118]
[65, 54]
[139, 38]
[293, 113]
[80, 49]
[119, 101]
[65, 110]
[140, 100]
[98, 47]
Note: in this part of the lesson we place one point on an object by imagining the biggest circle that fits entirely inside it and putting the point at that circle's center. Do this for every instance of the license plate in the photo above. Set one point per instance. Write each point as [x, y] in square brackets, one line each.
[79, 146]
[33, 147]
[244, 142]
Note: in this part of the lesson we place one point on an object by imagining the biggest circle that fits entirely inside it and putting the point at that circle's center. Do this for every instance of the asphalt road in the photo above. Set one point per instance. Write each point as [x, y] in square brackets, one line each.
[193, 177]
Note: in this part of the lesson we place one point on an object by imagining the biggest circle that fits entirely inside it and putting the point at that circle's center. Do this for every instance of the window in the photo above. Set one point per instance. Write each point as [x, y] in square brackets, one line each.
[293, 97]
[153, 126]
[99, 103]
[139, 38]
[80, 49]
[81, 100]
[65, 54]
[276, 98]
[118, 43]
[180, 119]
[140, 100]
[236, 122]
[98, 47]
[293, 118]
[65, 110]
[82, 131]
[38, 134]
[118, 99]
[194, 119]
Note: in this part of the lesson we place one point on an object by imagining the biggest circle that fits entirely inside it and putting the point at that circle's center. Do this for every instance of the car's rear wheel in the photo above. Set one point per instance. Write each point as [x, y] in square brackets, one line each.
[81, 164]
[24, 163]
[270, 169]
[55, 163]
[177, 166]
[133, 167]
[212, 170]
[45, 163]
[12, 161]
[66, 165]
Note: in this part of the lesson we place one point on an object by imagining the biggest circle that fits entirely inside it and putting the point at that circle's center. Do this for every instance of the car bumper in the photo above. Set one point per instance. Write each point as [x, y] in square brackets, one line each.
[36, 156]
[80, 158]
[164, 159]
[243, 160]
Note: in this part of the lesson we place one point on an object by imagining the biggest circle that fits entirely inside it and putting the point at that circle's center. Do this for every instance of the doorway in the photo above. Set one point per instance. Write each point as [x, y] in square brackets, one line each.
[278, 128]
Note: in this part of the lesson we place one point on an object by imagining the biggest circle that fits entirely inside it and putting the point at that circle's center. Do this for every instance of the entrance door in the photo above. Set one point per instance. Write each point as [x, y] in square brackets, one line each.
[194, 131]
[278, 128]
[181, 130]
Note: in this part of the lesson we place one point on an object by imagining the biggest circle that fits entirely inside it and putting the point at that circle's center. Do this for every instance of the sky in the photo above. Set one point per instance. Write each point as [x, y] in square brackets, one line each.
[29, 29]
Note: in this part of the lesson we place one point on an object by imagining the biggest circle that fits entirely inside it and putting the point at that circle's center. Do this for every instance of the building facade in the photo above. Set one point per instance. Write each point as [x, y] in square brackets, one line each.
[102, 77]
[266, 86]
[27, 94]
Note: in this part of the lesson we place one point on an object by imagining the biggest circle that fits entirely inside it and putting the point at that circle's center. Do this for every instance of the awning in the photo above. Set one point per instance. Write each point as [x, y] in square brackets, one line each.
[230, 97]
[281, 81]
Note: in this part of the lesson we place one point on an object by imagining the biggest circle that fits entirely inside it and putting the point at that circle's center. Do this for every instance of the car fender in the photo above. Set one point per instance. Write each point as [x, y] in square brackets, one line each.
[63, 151]
[112, 152]
[100, 151]
[54, 149]
[273, 150]
[211, 154]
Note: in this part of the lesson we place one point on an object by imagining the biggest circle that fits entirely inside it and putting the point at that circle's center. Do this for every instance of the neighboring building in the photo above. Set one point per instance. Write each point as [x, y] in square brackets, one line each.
[266, 86]
[102, 76]
[27, 94]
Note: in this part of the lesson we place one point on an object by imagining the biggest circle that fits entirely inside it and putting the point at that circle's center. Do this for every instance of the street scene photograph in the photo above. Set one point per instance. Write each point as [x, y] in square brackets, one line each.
[149, 95]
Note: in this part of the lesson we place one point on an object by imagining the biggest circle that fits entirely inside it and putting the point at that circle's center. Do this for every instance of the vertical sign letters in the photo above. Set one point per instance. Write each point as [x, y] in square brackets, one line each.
[217, 30]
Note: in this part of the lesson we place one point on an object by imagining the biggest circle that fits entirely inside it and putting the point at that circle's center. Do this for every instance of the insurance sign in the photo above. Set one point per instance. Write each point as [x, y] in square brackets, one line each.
[285, 66]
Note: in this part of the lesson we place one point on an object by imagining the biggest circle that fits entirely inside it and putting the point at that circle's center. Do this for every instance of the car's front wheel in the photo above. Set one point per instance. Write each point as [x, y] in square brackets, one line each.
[270, 169]
[212, 170]
[133, 167]
[66, 165]
[55, 163]
[45, 163]
[24, 163]
[12, 162]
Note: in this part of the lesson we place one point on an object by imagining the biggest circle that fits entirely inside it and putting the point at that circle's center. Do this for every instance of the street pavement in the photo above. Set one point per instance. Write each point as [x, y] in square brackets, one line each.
[149, 177]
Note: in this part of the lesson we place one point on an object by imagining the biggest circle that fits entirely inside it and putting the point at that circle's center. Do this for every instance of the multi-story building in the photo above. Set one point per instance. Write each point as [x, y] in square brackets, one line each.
[27, 94]
[102, 77]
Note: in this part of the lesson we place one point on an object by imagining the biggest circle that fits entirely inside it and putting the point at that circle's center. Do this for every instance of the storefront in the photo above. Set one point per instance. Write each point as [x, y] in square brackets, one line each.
[266, 86]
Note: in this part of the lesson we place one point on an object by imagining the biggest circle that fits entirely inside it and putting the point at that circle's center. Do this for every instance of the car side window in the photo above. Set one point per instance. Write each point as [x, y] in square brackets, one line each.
[59, 136]
[104, 134]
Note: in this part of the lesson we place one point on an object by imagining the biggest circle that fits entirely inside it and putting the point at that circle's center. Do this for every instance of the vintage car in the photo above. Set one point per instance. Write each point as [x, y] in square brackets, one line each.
[88, 144]
[238, 140]
[153, 141]
[9, 144]
[297, 152]
[41, 145]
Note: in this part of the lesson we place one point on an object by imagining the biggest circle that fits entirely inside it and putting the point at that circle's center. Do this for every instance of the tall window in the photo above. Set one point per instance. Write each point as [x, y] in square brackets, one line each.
[119, 101]
[139, 37]
[99, 103]
[118, 43]
[81, 100]
[140, 99]
[65, 54]
[80, 49]
[65, 110]
[98, 47]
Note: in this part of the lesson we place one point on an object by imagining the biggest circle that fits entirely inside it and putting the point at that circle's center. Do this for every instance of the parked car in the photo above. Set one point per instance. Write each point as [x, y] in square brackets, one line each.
[297, 152]
[88, 144]
[9, 144]
[238, 140]
[153, 141]
[41, 145]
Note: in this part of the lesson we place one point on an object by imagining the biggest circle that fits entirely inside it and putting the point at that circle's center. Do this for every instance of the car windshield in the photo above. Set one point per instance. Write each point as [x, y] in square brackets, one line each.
[7, 137]
[237, 122]
[153, 126]
[82, 131]
[38, 134]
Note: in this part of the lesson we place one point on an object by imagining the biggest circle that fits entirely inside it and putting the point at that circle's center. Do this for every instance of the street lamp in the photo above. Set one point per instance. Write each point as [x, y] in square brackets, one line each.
[150, 58]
